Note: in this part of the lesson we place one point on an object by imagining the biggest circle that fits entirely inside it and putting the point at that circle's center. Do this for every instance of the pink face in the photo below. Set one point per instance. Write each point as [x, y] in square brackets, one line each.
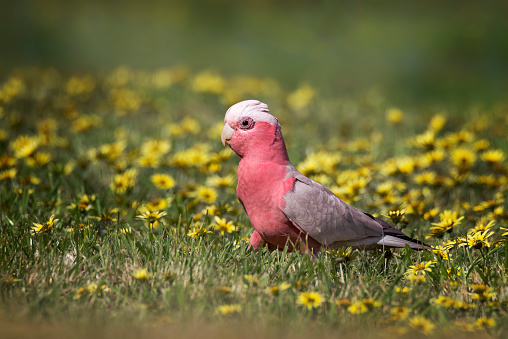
[248, 127]
[249, 136]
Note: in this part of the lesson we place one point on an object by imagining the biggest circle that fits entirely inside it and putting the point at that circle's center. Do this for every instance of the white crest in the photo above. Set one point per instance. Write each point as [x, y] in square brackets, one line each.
[254, 109]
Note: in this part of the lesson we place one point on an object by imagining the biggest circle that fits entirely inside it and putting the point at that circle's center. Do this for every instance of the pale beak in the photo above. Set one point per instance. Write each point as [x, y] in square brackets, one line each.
[226, 134]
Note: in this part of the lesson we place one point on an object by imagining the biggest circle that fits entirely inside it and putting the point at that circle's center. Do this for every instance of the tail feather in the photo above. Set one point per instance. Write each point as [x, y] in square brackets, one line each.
[392, 237]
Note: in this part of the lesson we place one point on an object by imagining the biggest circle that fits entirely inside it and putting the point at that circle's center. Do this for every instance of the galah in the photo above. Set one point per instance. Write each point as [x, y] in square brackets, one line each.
[285, 207]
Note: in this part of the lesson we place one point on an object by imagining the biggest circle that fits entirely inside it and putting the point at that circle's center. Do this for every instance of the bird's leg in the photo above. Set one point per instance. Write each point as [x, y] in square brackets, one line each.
[388, 255]
[307, 245]
[255, 241]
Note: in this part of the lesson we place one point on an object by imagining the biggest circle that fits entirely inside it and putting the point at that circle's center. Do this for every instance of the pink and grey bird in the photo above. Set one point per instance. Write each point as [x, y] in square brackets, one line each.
[284, 206]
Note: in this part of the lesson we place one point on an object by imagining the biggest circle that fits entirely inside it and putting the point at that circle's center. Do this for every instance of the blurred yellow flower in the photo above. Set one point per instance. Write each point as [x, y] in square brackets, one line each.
[205, 194]
[208, 82]
[8, 174]
[221, 182]
[141, 275]
[343, 303]
[301, 97]
[24, 146]
[190, 125]
[493, 156]
[426, 177]
[275, 290]
[484, 323]
[394, 115]
[228, 309]
[481, 145]
[124, 181]
[85, 123]
[163, 181]
[371, 303]
[425, 140]
[310, 300]
[422, 325]
[155, 147]
[399, 313]
[402, 290]
[80, 85]
[251, 279]
[437, 122]
[157, 204]
[357, 308]
[462, 157]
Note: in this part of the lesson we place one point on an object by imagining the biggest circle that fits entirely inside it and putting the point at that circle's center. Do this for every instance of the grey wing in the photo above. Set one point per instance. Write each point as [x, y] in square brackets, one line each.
[322, 215]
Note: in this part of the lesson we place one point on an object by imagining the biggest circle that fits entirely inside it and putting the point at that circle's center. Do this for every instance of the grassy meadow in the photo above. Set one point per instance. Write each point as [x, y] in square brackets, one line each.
[118, 213]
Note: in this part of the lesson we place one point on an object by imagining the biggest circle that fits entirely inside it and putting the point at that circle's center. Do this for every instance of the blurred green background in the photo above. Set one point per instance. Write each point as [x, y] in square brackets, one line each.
[410, 51]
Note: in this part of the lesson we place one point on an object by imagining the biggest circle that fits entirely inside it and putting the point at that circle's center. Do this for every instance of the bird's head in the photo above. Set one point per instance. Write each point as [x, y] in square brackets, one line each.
[250, 130]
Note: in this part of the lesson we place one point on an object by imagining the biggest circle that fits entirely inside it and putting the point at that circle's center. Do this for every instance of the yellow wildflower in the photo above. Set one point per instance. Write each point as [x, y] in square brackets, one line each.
[478, 239]
[38, 159]
[141, 275]
[157, 204]
[163, 181]
[228, 309]
[198, 231]
[399, 313]
[24, 146]
[370, 303]
[205, 194]
[44, 227]
[275, 290]
[222, 226]
[394, 115]
[493, 156]
[152, 217]
[125, 181]
[421, 324]
[402, 290]
[357, 308]
[463, 158]
[208, 82]
[464, 326]
[437, 122]
[151, 160]
[221, 182]
[301, 97]
[425, 140]
[343, 254]
[251, 279]
[155, 147]
[483, 323]
[310, 299]
[426, 177]
[419, 269]
[481, 145]
[397, 216]
[8, 174]
[449, 219]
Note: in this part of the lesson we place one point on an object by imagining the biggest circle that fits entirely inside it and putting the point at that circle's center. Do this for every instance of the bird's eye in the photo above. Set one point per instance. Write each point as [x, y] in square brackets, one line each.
[246, 123]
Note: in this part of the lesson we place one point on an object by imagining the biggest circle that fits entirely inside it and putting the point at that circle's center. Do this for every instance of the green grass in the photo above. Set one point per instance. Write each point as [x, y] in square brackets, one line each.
[189, 278]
